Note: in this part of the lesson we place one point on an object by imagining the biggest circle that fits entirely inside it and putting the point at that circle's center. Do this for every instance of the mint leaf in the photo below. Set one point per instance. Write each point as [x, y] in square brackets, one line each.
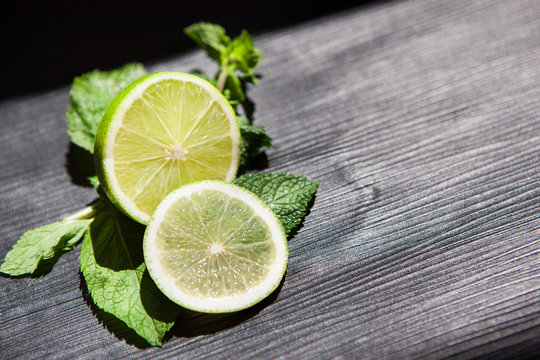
[254, 138]
[113, 266]
[242, 55]
[38, 249]
[287, 195]
[210, 37]
[233, 89]
[90, 95]
[94, 181]
[238, 55]
[242, 120]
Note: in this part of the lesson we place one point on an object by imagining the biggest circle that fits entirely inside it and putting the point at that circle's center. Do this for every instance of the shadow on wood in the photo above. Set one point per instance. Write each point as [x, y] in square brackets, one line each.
[79, 165]
[192, 323]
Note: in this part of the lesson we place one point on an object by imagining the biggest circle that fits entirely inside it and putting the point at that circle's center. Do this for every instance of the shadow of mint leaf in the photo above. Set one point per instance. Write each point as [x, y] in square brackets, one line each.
[248, 106]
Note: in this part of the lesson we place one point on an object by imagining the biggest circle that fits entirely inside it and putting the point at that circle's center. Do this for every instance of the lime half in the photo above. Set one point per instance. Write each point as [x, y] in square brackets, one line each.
[164, 130]
[214, 247]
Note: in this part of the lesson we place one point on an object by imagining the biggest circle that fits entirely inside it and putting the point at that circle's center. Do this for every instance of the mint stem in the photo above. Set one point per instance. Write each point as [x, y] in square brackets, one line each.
[86, 213]
[222, 78]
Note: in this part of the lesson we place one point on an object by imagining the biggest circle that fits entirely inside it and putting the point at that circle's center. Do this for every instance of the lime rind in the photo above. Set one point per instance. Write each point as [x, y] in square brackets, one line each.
[224, 303]
[112, 122]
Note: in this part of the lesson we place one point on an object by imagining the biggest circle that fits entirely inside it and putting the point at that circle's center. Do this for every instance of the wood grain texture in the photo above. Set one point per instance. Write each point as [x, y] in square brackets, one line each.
[421, 121]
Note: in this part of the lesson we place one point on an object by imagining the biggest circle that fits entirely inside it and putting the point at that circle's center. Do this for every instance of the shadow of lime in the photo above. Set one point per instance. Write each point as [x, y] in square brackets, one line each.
[79, 165]
[188, 323]
[192, 323]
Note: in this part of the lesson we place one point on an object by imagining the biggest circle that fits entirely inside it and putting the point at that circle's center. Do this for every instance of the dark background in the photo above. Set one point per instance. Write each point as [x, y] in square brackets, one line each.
[45, 45]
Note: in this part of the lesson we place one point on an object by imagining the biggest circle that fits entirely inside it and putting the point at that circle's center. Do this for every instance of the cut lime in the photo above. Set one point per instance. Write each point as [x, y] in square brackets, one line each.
[164, 130]
[215, 247]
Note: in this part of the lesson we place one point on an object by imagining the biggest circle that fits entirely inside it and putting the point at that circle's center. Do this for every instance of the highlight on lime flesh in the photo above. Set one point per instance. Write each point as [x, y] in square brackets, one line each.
[165, 130]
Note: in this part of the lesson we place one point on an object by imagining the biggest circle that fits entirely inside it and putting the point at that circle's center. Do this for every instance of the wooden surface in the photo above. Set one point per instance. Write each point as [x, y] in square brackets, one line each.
[421, 121]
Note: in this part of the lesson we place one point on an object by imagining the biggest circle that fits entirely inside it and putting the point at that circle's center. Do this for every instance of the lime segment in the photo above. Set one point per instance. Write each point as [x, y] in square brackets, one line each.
[165, 130]
[215, 247]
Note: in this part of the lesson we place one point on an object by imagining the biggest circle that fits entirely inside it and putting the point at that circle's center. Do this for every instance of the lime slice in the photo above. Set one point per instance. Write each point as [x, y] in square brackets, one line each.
[215, 247]
[164, 130]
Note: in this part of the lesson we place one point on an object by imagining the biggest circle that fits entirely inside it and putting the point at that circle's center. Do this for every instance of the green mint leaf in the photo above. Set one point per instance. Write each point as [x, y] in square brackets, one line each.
[38, 249]
[94, 181]
[287, 195]
[113, 266]
[90, 95]
[242, 55]
[210, 37]
[243, 121]
[237, 59]
[233, 89]
[254, 138]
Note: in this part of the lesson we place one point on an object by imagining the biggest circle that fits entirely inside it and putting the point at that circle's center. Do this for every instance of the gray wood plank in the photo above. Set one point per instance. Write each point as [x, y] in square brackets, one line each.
[419, 119]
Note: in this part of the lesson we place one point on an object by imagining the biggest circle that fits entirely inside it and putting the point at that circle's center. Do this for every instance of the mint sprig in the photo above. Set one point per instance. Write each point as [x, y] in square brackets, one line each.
[237, 58]
[111, 255]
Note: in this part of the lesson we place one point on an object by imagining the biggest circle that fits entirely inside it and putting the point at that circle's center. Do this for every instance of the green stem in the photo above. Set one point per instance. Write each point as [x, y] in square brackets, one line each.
[222, 78]
[86, 213]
